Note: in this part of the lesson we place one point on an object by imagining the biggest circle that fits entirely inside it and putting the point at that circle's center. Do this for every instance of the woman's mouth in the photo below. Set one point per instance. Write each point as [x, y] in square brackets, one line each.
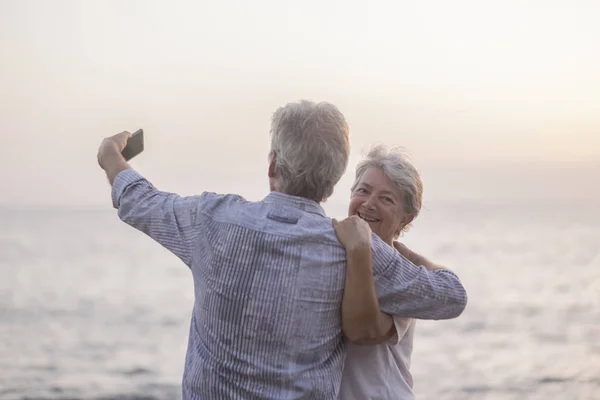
[367, 218]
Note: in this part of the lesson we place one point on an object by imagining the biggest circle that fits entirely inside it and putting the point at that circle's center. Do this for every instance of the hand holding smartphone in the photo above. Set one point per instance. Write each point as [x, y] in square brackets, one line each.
[135, 145]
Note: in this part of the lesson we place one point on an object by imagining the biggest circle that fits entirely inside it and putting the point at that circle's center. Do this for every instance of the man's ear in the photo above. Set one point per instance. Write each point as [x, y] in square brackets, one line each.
[272, 162]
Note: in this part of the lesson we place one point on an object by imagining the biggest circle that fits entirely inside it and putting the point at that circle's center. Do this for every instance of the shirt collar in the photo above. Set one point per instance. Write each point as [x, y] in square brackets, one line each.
[301, 203]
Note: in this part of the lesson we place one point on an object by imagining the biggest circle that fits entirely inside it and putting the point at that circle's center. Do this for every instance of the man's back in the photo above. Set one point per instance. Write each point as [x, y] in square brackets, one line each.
[269, 279]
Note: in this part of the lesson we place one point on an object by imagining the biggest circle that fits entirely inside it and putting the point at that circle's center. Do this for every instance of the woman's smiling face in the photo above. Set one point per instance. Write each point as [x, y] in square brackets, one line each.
[378, 201]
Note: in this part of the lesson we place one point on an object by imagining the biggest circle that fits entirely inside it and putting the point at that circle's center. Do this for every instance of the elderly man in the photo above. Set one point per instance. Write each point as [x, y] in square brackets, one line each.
[269, 275]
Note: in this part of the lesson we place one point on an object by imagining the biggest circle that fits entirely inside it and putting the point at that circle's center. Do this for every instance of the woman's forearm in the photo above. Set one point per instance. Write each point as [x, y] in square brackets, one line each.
[384, 331]
[362, 320]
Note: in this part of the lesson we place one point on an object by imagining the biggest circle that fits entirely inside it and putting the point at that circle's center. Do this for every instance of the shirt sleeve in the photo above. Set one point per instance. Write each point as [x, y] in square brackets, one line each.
[167, 218]
[401, 325]
[408, 291]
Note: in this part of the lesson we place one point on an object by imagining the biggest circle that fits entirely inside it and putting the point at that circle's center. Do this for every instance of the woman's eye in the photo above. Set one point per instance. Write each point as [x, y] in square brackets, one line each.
[388, 200]
[361, 191]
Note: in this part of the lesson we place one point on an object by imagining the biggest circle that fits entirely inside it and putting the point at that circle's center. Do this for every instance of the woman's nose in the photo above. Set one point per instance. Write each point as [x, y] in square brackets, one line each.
[369, 204]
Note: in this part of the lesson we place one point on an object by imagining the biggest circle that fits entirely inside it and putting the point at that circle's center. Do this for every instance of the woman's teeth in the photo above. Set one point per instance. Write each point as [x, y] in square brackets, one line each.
[368, 219]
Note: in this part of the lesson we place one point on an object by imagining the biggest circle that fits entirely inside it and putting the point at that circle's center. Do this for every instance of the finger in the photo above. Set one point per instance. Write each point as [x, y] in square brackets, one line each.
[121, 137]
[125, 134]
[400, 247]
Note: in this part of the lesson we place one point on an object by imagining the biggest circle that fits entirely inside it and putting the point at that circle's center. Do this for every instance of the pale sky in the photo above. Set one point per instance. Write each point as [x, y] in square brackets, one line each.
[492, 99]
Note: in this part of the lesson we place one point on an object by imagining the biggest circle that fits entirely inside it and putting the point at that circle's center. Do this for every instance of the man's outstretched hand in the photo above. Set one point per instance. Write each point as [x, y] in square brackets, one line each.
[109, 155]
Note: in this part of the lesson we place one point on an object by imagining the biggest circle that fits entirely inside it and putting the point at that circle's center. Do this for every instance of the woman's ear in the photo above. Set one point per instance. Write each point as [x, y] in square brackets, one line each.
[405, 222]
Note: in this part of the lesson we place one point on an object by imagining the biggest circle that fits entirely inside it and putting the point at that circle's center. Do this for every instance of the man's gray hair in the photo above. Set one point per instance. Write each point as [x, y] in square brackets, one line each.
[311, 146]
[398, 167]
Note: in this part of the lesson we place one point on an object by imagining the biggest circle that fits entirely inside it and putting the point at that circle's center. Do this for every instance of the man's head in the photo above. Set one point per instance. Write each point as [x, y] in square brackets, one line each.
[309, 149]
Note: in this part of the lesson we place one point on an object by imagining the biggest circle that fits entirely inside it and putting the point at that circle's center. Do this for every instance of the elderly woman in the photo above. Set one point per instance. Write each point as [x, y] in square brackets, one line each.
[387, 195]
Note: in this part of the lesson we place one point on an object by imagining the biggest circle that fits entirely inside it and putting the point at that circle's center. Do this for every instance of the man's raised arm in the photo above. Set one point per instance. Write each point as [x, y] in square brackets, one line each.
[409, 291]
[166, 217]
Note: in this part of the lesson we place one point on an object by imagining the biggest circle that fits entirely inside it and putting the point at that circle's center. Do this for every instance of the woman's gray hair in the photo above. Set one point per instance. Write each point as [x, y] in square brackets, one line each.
[311, 147]
[398, 167]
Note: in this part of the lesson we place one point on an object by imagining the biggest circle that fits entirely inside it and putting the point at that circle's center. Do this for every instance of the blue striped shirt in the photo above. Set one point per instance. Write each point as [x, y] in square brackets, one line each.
[268, 282]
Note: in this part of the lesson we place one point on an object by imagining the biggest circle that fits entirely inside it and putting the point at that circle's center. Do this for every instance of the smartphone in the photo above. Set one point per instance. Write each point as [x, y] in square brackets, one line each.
[135, 145]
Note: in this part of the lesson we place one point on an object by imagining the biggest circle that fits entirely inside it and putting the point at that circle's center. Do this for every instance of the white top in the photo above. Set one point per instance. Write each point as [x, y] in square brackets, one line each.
[380, 372]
